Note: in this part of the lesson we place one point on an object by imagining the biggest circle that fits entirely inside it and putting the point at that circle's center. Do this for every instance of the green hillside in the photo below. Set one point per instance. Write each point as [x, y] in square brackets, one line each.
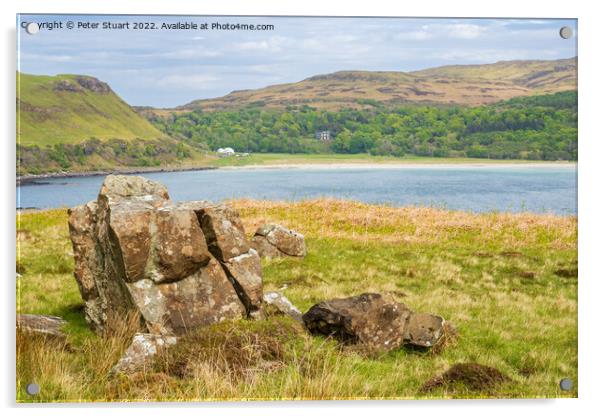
[73, 108]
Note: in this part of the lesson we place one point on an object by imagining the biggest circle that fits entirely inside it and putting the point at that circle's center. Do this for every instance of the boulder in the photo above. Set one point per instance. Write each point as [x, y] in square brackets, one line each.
[273, 240]
[46, 325]
[373, 322]
[141, 352]
[136, 250]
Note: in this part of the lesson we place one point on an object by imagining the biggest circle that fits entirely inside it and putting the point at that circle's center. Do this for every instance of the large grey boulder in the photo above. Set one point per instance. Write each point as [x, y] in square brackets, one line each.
[179, 266]
[372, 321]
[273, 240]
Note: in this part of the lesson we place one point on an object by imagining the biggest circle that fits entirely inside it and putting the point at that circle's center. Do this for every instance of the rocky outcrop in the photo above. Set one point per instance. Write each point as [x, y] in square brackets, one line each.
[51, 326]
[273, 240]
[372, 321]
[180, 265]
[93, 84]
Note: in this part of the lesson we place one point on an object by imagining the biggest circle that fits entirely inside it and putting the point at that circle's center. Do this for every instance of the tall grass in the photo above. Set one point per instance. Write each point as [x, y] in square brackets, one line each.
[495, 276]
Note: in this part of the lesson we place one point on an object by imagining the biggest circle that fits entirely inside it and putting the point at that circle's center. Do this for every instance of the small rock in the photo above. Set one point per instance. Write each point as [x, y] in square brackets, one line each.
[423, 330]
[283, 305]
[41, 324]
[141, 351]
[273, 240]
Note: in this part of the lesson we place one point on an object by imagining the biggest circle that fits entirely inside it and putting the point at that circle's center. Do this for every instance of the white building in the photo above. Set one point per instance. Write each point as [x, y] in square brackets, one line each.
[225, 152]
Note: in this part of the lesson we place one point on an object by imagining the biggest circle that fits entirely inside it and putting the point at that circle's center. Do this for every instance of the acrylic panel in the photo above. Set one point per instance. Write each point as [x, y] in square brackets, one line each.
[218, 208]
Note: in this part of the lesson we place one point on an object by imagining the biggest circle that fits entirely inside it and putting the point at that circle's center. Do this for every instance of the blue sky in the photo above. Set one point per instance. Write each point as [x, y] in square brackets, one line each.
[165, 68]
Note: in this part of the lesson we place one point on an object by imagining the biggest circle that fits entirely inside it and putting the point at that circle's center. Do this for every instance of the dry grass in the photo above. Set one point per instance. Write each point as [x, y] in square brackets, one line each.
[335, 218]
[494, 276]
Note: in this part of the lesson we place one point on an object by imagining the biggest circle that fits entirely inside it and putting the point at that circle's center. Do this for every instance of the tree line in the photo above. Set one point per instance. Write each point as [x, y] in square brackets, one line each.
[538, 128]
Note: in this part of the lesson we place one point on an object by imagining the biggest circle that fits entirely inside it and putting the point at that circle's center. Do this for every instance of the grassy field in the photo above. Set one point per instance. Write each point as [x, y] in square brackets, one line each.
[507, 282]
[362, 158]
[200, 160]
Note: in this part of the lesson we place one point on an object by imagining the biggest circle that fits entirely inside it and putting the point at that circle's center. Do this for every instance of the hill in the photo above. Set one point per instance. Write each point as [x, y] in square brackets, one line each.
[77, 123]
[470, 85]
[73, 108]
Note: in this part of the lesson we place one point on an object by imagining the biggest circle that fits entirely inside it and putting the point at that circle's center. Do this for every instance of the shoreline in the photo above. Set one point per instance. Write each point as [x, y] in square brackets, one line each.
[394, 165]
[38, 179]
[33, 179]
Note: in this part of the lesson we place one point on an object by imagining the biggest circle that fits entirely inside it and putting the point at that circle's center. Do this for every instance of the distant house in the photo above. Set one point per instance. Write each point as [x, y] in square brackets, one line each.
[323, 135]
[225, 152]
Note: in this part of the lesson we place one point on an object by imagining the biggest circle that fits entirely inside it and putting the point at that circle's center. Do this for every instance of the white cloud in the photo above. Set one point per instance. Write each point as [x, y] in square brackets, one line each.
[443, 31]
[191, 53]
[464, 30]
[46, 57]
[197, 82]
[415, 35]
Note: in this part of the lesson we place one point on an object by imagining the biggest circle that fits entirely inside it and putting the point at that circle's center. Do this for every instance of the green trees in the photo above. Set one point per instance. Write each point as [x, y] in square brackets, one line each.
[541, 127]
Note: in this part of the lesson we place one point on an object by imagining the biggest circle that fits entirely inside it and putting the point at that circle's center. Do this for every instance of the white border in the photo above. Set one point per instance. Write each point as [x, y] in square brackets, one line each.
[590, 209]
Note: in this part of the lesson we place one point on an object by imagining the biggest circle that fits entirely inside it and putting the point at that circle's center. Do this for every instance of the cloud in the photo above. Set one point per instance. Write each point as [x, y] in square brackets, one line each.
[168, 68]
[465, 31]
[444, 31]
[197, 82]
[34, 57]
[191, 53]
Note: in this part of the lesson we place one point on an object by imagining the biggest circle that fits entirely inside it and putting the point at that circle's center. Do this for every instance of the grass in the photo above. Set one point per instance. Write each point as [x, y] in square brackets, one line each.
[200, 160]
[47, 115]
[493, 275]
[361, 158]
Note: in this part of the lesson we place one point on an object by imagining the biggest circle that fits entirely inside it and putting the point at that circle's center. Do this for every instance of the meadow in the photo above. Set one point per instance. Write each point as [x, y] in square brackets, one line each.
[508, 283]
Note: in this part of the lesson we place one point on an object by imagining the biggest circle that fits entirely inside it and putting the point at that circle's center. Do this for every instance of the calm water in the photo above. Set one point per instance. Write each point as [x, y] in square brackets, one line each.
[479, 189]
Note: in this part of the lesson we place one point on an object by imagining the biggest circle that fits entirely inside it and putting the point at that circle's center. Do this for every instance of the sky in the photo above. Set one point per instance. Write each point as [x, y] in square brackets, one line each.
[170, 67]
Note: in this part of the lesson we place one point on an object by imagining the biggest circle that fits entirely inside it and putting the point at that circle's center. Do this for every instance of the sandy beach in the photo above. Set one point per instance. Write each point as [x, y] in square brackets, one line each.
[360, 165]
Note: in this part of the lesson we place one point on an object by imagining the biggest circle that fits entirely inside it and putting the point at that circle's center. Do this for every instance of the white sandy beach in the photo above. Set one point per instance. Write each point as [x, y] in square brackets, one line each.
[360, 165]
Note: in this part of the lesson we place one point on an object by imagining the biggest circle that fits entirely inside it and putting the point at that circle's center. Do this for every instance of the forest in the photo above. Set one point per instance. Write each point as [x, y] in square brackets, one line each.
[535, 128]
